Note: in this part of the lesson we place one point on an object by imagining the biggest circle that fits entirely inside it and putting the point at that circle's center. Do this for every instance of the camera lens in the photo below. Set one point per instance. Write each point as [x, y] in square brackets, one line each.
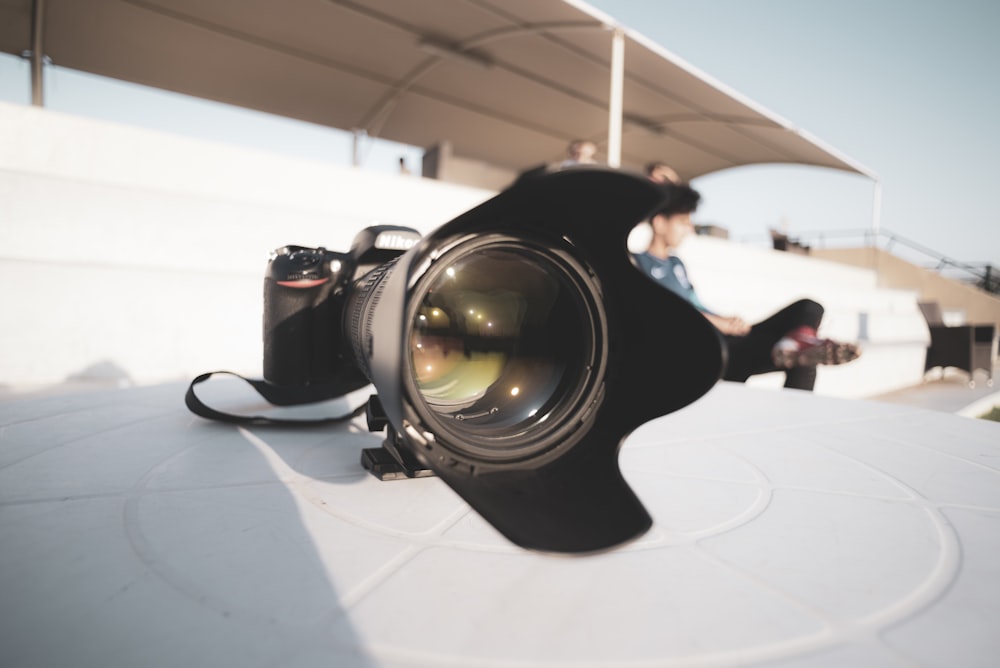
[504, 343]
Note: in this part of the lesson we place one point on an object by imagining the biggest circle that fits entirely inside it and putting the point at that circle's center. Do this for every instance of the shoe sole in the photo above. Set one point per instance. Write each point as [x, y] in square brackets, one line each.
[827, 353]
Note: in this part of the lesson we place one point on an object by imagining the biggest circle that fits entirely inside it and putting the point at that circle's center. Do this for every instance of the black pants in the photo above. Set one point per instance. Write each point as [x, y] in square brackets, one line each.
[751, 354]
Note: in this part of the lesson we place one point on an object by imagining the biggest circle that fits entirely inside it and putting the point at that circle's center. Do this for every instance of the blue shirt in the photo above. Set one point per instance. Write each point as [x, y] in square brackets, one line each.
[671, 274]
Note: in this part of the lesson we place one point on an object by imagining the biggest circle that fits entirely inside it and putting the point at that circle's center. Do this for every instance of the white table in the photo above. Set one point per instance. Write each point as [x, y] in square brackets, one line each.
[790, 530]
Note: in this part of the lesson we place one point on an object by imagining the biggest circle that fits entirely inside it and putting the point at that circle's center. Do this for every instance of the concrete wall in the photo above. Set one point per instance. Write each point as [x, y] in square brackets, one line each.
[138, 255]
[135, 256]
[441, 163]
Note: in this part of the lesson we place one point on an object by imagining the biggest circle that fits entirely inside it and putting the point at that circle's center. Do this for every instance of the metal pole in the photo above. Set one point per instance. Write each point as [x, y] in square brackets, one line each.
[876, 210]
[876, 223]
[357, 134]
[37, 53]
[615, 104]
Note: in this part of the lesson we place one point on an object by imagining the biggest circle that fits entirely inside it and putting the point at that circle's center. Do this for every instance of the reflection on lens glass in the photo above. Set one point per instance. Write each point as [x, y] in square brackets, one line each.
[462, 346]
[500, 336]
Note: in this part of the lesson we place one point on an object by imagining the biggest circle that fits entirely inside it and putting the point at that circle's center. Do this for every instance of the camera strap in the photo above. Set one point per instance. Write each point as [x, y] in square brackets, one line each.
[277, 395]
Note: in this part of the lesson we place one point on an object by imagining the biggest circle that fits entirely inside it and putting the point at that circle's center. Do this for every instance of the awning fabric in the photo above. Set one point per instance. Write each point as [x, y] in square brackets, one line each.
[508, 82]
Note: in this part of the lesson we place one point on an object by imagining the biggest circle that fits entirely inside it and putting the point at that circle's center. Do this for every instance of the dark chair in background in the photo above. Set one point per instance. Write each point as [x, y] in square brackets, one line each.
[966, 347]
[783, 242]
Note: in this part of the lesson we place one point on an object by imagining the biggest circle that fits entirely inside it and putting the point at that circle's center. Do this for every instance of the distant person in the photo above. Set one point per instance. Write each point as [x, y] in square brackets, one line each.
[580, 152]
[661, 172]
[787, 341]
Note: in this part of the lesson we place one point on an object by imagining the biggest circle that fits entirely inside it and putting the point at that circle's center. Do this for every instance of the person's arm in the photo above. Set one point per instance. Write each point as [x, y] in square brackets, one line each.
[733, 326]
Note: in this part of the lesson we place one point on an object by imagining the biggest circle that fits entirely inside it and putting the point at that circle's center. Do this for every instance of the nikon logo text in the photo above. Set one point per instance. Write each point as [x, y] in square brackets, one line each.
[394, 241]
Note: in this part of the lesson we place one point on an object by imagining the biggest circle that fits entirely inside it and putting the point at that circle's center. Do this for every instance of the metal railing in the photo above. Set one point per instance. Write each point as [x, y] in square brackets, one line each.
[983, 275]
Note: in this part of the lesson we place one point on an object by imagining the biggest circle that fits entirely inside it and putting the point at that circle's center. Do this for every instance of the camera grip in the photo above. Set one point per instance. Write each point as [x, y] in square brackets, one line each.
[298, 333]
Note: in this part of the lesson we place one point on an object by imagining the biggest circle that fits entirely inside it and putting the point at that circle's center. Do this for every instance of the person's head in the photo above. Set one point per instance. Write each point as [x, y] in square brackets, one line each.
[582, 151]
[661, 172]
[671, 223]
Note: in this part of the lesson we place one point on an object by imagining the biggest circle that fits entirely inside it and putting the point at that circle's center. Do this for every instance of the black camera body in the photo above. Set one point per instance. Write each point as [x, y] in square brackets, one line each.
[512, 350]
[305, 290]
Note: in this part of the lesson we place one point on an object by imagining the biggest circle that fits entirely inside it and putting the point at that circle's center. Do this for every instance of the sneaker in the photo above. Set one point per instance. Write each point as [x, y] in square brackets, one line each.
[803, 348]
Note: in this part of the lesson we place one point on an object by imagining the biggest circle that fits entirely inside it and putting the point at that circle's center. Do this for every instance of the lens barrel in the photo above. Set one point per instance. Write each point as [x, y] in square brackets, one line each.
[506, 348]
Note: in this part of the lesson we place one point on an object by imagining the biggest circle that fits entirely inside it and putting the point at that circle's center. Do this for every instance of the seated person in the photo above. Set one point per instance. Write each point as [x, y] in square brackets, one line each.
[580, 152]
[786, 341]
[661, 172]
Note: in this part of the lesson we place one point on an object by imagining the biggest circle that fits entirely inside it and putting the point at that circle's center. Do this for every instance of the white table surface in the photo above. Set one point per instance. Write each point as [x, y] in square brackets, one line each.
[790, 530]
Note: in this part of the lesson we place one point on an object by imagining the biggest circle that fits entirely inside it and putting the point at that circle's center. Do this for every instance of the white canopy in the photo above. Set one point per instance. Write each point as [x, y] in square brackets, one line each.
[508, 82]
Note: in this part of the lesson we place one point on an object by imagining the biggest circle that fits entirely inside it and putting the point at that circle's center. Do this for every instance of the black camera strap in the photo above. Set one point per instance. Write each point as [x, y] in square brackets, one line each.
[277, 395]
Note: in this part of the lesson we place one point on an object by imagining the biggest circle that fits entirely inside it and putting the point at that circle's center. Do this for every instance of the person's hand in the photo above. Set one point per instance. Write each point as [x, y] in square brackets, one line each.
[731, 325]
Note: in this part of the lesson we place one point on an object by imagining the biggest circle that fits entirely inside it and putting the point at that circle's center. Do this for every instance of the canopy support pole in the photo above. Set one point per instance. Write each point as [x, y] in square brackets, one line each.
[615, 99]
[876, 210]
[876, 223]
[37, 53]
[357, 134]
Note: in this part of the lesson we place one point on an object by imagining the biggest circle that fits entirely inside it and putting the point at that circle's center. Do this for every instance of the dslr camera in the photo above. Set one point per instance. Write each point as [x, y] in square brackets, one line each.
[511, 350]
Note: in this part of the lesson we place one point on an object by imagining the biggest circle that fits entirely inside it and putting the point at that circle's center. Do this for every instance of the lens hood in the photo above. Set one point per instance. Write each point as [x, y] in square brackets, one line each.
[514, 348]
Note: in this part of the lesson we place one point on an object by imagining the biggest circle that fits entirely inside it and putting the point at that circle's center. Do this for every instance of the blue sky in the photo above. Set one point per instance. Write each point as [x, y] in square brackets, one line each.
[909, 88]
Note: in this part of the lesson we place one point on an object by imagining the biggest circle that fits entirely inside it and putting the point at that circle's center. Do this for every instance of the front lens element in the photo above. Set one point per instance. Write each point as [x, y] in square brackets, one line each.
[502, 342]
